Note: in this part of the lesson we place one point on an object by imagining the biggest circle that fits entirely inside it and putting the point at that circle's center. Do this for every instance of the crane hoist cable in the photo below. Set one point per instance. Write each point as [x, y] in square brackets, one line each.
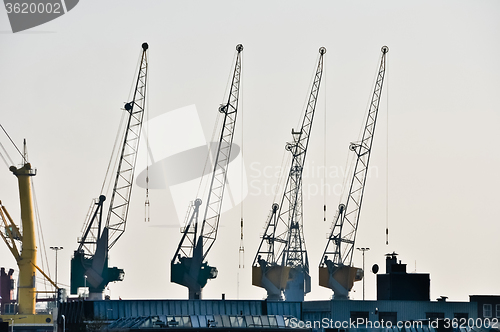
[387, 158]
[43, 251]
[133, 85]
[146, 201]
[208, 159]
[337, 273]
[325, 154]
[112, 158]
[241, 250]
[7, 155]
[39, 229]
[285, 161]
[189, 266]
[5, 161]
[147, 204]
[281, 264]
[89, 265]
[20, 153]
[120, 134]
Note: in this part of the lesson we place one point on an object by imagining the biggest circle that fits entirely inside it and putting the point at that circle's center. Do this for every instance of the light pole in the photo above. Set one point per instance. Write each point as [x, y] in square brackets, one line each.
[64, 322]
[56, 250]
[363, 251]
[85, 287]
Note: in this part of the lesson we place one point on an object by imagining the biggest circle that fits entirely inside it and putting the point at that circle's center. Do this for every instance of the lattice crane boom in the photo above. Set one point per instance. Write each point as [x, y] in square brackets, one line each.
[120, 199]
[89, 265]
[291, 249]
[213, 207]
[342, 237]
[188, 266]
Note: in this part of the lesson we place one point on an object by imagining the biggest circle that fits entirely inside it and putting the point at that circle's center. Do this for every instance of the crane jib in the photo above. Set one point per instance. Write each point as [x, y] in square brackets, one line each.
[188, 266]
[342, 237]
[274, 264]
[90, 260]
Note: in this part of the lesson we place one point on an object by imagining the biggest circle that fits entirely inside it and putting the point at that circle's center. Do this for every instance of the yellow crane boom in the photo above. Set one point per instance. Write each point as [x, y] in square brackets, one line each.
[26, 260]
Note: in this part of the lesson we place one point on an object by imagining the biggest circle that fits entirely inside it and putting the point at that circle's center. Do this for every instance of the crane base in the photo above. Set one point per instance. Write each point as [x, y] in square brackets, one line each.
[182, 273]
[343, 277]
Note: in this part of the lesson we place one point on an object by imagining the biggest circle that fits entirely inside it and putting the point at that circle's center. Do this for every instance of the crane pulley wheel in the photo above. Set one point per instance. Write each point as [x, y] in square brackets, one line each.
[128, 106]
[289, 146]
[384, 49]
[222, 108]
[322, 50]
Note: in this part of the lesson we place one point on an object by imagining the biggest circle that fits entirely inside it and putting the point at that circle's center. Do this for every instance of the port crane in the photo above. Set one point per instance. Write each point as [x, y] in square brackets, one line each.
[281, 264]
[335, 270]
[21, 242]
[89, 265]
[189, 266]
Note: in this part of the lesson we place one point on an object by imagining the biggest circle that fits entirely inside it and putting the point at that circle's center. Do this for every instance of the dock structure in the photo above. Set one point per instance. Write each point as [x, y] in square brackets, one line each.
[321, 316]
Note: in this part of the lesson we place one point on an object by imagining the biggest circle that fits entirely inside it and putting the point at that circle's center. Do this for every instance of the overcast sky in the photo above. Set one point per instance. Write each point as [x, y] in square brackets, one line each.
[435, 159]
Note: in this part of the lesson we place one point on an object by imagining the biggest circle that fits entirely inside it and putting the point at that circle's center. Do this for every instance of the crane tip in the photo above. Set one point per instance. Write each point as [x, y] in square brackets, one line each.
[239, 48]
[145, 46]
[322, 50]
[385, 49]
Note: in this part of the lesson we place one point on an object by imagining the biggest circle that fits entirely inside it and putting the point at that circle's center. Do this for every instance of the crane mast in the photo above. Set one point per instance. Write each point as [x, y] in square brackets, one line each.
[285, 267]
[21, 242]
[120, 198]
[26, 256]
[89, 265]
[189, 266]
[336, 270]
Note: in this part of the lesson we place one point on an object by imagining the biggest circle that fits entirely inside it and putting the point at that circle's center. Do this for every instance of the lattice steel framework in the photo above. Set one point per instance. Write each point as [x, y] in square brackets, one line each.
[200, 240]
[288, 247]
[343, 232]
[211, 217]
[122, 189]
[119, 203]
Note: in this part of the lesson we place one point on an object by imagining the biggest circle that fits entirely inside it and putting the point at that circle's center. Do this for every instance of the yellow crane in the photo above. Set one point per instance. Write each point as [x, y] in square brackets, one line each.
[26, 258]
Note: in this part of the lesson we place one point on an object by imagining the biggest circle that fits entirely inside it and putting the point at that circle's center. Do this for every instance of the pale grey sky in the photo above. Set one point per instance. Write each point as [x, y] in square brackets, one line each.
[63, 84]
